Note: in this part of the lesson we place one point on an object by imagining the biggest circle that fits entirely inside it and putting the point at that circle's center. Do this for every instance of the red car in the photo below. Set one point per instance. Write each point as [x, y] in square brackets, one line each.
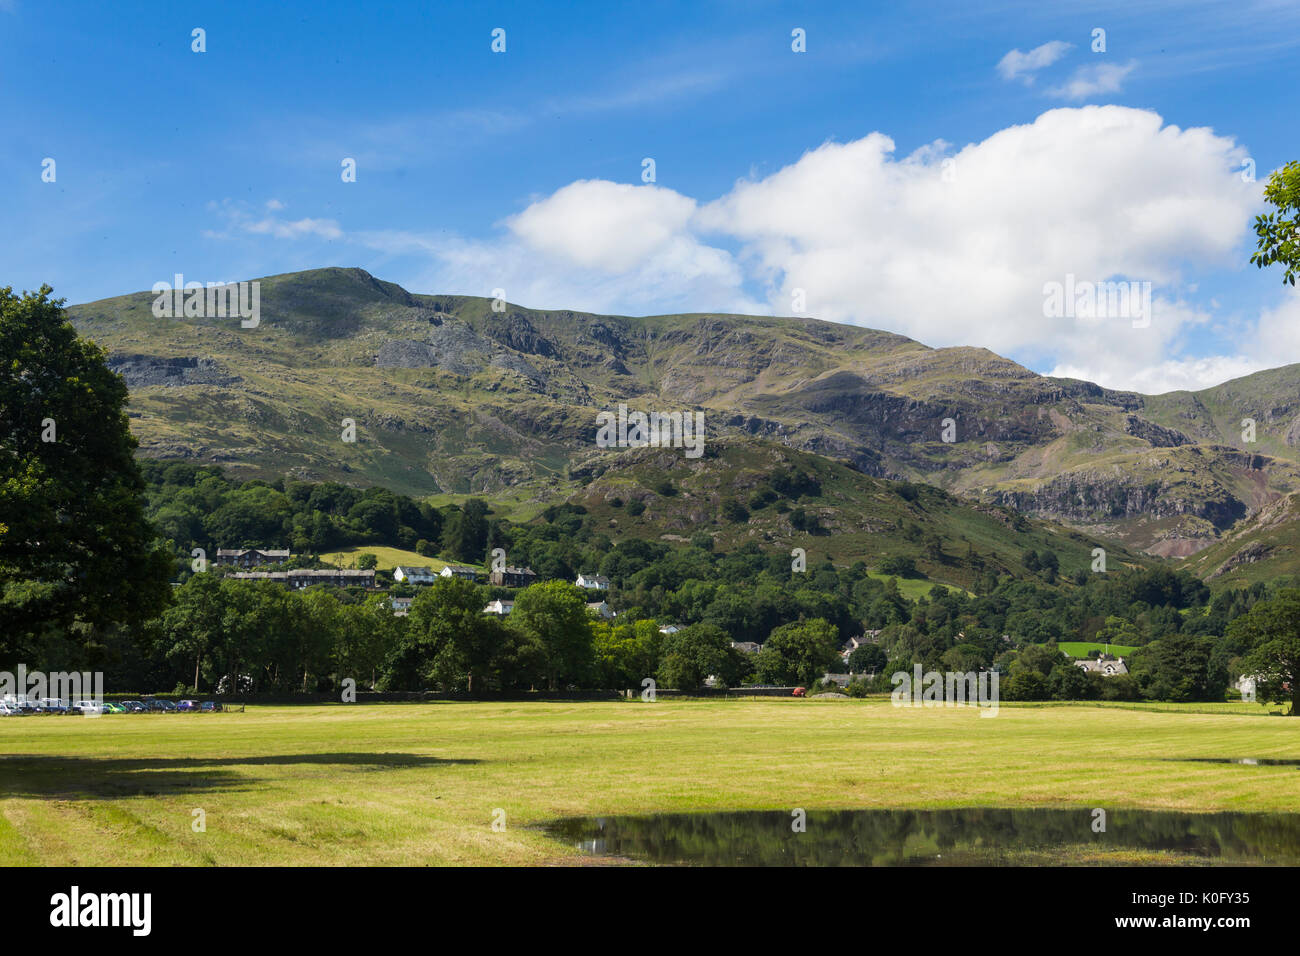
[798, 692]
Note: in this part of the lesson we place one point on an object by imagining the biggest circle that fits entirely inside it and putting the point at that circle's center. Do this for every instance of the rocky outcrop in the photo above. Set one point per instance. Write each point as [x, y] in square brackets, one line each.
[142, 371]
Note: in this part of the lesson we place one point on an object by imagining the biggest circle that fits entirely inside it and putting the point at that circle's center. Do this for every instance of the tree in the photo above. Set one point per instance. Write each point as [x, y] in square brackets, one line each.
[450, 633]
[555, 613]
[367, 561]
[465, 536]
[75, 548]
[695, 653]
[191, 627]
[1279, 235]
[1176, 668]
[797, 653]
[1271, 629]
[867, 658]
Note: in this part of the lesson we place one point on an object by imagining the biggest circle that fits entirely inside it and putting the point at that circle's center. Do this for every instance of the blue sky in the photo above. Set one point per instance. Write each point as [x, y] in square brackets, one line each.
[776, 172]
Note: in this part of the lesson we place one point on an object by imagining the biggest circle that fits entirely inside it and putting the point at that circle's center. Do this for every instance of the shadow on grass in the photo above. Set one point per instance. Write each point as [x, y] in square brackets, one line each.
[111, 778]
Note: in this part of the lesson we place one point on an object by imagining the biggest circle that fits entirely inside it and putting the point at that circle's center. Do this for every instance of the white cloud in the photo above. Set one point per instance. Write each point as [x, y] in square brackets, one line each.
[607, 226]
[295, 229]
[1024, 65]
[949, 247]
[1093, 80]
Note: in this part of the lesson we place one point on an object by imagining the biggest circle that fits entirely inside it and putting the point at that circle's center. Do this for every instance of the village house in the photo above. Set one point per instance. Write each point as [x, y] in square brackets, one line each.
[251, 557]
[747, 647]
[593, 582]
[401, 605]
[669, 629]
[462, 571]
[513, 577]
[1105, 665]
[306, 577]
[600, 609]
[499, 607]
[410, 575]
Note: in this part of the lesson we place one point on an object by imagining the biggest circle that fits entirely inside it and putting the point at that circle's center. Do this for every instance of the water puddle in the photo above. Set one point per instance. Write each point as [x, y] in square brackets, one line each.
[953, 837]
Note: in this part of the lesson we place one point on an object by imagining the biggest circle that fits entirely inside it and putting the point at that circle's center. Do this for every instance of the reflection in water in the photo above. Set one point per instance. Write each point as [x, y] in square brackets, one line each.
[1248, 761]
[957, 837]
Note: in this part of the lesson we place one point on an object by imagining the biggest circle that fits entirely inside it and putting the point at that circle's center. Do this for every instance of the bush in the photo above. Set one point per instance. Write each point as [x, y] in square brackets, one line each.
[635, 508]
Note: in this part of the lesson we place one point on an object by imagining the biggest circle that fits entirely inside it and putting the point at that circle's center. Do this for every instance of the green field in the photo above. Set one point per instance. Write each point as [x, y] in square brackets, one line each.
[418, 783]
[389, 558]
[1080, 649]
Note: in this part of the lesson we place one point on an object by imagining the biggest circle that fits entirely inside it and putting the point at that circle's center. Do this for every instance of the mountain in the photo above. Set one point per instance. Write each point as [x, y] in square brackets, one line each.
[1260, 549]
[450, 397]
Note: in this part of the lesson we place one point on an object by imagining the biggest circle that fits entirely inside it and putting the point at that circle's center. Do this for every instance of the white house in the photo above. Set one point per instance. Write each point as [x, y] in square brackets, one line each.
[669, 629]
[460, 571]
[401, 605]
[1105, 666]
[593, 582]
[600, 608]
[410, 575]
[499, 607]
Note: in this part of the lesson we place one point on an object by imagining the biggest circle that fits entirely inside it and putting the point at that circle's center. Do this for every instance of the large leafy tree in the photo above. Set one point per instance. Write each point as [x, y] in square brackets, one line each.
[448, 636]
[1278, 233]
[801, 651]
[1271, 629]
[555, 613]
[76, 552]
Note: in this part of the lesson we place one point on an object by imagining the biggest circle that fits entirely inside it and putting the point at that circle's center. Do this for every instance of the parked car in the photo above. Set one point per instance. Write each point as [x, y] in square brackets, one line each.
[157, 706]
[191, 706]
[209, 706]
[51, 705]
[11, 710]
[798, 692]
[86, 707]
[111, 708]
[134, 706]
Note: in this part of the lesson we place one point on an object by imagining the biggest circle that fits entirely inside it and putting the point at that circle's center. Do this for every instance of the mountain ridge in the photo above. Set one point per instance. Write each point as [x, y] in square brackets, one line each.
[450, 397]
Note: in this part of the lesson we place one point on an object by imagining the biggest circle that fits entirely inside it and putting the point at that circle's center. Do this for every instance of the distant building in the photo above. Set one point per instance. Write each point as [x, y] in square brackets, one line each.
[1104, 665]
[410, 575]
[401, 605]
[747, 647]
[669, 629]
[306, 577]
[499, 607]
[462, 571]
[251, 557]
[601, 609]
[593, 582]
[513, 577]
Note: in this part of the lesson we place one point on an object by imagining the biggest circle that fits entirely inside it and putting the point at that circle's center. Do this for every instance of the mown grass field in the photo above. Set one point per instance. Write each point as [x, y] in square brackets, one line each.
[1081, 648]
[418, 783]
[387, 558]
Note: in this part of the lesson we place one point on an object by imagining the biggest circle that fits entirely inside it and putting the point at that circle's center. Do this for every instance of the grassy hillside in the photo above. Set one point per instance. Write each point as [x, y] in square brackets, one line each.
[1263, 548]
[450, 398]
[794, 499]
